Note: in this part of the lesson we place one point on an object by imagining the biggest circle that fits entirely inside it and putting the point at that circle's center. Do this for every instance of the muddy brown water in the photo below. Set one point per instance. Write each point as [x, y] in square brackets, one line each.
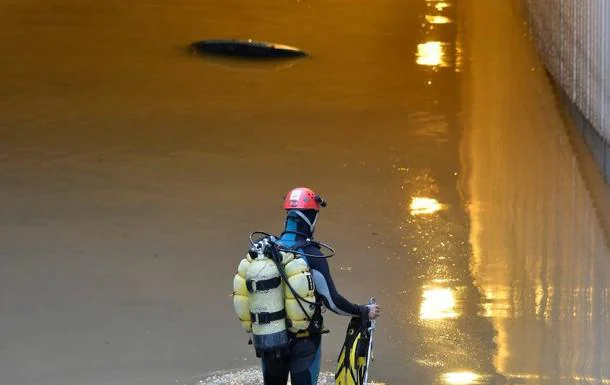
[133, 171]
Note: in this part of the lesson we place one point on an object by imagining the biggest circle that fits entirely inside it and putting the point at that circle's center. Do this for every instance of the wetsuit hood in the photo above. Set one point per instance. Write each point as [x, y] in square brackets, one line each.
[299, 225]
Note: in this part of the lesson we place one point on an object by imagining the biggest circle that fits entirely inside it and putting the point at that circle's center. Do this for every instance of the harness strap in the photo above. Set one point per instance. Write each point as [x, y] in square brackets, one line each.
[263, 284]
[265, 317]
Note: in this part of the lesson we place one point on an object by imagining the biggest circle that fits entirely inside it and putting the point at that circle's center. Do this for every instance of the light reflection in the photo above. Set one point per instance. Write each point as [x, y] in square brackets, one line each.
[438, 303]
[438, 4]
[537, 377]
[431, 54]
[459, 56]
[424, 206]
[497, 302]
[461, 378]
[436, 19]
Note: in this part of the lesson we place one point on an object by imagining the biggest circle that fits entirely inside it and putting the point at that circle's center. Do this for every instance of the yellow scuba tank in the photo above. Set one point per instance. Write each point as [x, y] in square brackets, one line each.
[241, 297]
[299, 312]
[267, 302]
[267, 310]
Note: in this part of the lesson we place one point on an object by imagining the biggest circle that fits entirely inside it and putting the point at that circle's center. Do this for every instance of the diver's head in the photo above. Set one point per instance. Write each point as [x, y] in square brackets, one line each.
[303, 205]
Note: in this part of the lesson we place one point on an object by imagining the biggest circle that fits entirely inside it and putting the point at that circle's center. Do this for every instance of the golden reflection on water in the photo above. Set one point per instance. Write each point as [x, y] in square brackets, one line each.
[579, 379]
[431, 53]
[497, 302]
[424, 206]
[441, 5]
[434, 53]
[461, 378]
[437, 19]
[438, 303]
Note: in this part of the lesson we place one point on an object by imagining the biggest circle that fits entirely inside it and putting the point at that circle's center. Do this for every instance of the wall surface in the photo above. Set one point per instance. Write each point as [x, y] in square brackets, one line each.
[572, 39]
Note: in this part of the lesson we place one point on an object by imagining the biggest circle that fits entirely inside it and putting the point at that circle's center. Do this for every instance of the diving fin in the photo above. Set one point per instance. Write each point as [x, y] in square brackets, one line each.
[356, 353]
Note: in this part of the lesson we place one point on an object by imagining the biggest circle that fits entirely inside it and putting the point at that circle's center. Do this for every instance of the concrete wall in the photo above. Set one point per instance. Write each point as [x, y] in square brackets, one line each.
[573, 39]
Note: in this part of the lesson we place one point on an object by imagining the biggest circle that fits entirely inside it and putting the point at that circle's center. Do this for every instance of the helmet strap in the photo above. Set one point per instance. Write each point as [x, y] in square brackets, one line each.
[304, 217]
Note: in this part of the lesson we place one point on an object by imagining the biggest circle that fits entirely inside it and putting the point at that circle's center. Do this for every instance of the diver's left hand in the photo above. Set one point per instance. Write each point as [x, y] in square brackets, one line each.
[374, 311]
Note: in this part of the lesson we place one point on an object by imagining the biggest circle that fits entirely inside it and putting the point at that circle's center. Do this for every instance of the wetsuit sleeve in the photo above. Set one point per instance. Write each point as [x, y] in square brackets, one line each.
[325, 287]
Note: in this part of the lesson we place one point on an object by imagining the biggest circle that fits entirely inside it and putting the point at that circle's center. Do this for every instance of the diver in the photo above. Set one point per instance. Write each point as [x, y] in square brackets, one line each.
[300, 356]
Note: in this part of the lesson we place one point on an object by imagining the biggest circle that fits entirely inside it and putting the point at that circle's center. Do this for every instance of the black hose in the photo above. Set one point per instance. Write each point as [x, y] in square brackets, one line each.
[309, 241]
[258, 232]
[277, 258]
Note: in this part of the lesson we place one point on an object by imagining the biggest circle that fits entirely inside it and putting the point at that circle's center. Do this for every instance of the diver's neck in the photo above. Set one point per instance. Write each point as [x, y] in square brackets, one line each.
[300, 232]
[297, 227]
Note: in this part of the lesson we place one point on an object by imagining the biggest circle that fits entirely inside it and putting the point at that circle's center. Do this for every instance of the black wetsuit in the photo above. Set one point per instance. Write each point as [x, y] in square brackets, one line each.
[303, 361]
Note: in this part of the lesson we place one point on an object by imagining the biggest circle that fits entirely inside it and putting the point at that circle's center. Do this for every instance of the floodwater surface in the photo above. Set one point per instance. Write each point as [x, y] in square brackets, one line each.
[132, 172]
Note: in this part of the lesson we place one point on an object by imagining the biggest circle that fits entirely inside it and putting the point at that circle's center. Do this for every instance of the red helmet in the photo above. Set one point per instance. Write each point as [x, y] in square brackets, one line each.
[303, 198]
